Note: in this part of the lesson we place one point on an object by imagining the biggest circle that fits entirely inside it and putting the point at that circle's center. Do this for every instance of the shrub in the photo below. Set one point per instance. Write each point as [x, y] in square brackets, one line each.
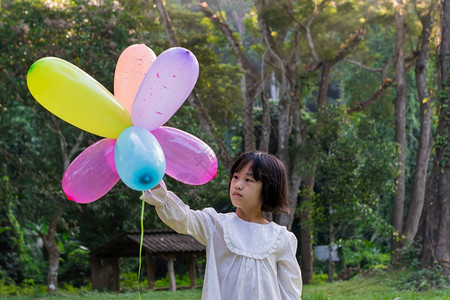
[27, 288]
[76, 269]
[425, 279]
[319, 278]
[364, 253]
[129, 281]
[179, 280]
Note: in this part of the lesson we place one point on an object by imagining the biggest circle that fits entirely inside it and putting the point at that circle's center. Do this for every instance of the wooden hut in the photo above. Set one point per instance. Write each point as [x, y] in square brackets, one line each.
[163, 243]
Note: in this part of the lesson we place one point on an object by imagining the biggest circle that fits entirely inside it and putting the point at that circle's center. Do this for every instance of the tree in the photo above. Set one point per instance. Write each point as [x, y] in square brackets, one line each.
[400, 121]
[425, 11]
[436, 219]
[354, 162]
[280, 27]
[415, 207]
[206, 122]
[38, 146]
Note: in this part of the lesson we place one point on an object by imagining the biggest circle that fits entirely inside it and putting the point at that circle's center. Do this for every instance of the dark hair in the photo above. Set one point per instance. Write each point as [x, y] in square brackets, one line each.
[271, 172]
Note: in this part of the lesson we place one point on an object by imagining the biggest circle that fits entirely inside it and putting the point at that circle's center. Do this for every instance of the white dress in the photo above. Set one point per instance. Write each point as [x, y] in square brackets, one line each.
[245, 260]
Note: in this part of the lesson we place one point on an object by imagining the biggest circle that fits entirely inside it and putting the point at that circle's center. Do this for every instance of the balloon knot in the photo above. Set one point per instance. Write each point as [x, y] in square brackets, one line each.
[145, 179]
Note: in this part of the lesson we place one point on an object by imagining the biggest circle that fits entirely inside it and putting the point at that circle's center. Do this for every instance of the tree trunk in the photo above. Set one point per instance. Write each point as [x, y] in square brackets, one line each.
[324, 82]
[330, 246]
[53, 253]
[436, 223]
[53, 264]
[306, 231]
[265, 122]
[423, 154]
[400, 126]
[49, 238]
[205, 120]
[252, 77]
[249, 126]
[436, 219]
[171, 36]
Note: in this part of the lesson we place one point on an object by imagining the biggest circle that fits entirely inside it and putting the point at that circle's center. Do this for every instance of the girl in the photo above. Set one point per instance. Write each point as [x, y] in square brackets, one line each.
[248, 257]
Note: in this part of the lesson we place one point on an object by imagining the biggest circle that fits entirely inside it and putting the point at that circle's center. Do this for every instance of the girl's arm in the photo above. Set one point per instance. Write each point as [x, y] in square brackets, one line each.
[289, 274]
[178, 216]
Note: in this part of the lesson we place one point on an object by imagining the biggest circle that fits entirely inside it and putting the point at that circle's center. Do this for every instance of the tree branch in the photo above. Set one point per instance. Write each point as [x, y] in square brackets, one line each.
[171, 36]
[290, 12]
[226, 30]
[353, 40]
[205, 120]
[359, 106]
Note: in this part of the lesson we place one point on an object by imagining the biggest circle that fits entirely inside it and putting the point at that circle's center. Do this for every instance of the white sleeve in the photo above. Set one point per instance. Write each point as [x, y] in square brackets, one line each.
[289, 274]
[178, 216]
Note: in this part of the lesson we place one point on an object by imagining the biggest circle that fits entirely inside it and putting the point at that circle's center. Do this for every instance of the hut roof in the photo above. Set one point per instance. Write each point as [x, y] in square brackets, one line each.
[154, 242]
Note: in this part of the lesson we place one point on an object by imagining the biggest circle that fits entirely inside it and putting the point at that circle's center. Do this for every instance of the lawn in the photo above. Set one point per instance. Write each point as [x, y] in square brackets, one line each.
[381, 286]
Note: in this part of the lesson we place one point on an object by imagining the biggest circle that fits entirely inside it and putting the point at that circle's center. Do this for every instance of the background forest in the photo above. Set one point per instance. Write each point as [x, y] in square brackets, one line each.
[351, 95]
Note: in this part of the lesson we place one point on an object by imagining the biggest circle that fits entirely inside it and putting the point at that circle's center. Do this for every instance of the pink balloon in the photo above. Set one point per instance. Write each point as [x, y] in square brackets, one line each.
[92, 174]
[166, 86]
[188, 159]
[131, 68]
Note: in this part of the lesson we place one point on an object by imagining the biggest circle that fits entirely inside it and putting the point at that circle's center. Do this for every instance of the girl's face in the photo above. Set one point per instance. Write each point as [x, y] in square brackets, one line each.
[245, 191]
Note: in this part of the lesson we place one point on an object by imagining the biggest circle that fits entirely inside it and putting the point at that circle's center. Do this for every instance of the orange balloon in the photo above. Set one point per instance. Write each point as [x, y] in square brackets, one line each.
[131, 68]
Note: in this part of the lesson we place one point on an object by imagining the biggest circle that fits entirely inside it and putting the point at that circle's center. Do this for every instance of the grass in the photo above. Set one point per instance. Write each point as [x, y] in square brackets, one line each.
[145, 295]
[379, 286]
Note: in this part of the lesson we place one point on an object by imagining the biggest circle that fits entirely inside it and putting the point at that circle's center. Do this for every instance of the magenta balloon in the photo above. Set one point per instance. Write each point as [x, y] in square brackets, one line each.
[92, 174]
[165, 87]
[188, 159]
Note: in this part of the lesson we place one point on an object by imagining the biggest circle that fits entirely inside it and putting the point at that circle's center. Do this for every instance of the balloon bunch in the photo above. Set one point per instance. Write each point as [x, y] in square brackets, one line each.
[136, 147]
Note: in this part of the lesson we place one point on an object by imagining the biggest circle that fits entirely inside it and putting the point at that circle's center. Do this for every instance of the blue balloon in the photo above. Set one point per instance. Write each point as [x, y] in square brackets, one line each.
[139, 159]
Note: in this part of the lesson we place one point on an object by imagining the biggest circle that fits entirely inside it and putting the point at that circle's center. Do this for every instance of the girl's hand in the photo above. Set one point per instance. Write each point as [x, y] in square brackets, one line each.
[161, 184]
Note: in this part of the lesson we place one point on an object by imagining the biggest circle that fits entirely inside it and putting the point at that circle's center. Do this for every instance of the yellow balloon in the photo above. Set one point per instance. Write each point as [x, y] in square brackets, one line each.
[77, 98]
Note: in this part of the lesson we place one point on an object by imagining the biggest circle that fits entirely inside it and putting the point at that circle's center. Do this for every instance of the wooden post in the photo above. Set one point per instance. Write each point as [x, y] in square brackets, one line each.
[116, 274]
[170, 269]
[96, 272]
[113, 262]
[102, 272]
[150, 270]
[191, 270]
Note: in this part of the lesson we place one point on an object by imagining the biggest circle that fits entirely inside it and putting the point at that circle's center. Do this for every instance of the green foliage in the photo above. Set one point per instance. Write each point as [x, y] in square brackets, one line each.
[91, 37]
[75, 270]
[319, 278]
[218, 86]
[425, 279]
[17, 259]
[355, 169]
[363, 253]
[128, 281]
[26, 288]
[181, 280]
[355, 154]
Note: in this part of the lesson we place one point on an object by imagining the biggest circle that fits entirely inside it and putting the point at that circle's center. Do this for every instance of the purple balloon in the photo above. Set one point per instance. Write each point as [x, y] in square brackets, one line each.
[165, 87]
[188, 159]
[92, 174]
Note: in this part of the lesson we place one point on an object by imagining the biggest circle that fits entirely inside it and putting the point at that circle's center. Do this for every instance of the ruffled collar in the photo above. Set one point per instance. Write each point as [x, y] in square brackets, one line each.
[251, 239]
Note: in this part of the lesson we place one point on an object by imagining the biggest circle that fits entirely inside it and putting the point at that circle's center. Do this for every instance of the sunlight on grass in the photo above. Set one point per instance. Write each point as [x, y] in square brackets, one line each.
[145, 295]
[379, 286]
[373, 287]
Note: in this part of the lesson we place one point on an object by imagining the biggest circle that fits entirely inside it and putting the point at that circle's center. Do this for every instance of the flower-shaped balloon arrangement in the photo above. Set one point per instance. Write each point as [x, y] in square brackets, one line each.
[136, 147]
